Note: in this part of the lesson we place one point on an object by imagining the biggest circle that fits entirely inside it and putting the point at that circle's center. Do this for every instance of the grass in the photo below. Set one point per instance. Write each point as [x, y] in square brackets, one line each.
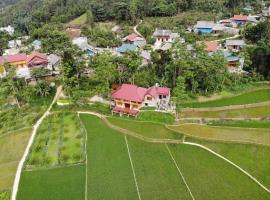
[156, 174]
[79, 20]
[11, 149]
[228, 134]
[255, 112]
[253, 158]
[159, 117]
[5, 195]
[209, 177]
[65, 183]
[109, 171]
[256, 96]
[243, 124]
[95, 107]
[59, 141]
[147, 129]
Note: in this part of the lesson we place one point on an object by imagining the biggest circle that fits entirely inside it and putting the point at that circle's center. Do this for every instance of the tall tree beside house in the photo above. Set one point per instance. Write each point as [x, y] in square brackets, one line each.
[105, 72]
[128, 66]
[12, 84]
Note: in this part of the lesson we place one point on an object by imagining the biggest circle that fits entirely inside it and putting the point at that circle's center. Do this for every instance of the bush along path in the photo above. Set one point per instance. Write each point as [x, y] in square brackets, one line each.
[30, 142]
[165, 141]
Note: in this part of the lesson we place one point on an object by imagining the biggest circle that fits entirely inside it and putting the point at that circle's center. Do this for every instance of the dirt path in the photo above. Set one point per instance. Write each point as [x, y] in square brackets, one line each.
[135, 29]
[228, 38]
[30, 142]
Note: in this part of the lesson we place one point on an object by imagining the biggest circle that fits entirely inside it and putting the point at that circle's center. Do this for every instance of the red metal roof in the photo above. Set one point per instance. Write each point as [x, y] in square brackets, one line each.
[240, 18]
[13, 58]
[134, 93]
[36, 58]
[132, 37]
[211, 46]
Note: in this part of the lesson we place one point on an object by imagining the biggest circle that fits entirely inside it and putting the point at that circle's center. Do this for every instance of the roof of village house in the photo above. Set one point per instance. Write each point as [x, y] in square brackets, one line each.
[131, 37]
[13, 58]
[146, 55]
[205, 24]
[53, 59]
[162, 33]
[126, 47]
[134, 93]
[211, 46]
[36, 58]
[235, 43]
[240, 18]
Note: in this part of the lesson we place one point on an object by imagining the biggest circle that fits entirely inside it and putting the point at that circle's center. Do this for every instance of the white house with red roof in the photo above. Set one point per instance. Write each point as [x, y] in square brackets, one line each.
[129, 99]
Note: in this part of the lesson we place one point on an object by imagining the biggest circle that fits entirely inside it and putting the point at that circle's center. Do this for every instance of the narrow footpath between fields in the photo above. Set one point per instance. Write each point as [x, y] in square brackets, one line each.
[30, 142]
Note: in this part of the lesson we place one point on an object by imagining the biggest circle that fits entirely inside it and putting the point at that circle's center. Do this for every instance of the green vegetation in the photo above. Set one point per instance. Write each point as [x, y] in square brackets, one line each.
[253, 158]
[79, 20]
[5, 195]
[257, 112]
[12, 147]
[227, 134]
[209, 177]
[109, 171]
[59, 141]
[159, 117]
[244, 124]
[59, 183]
[95, 107]
[156, 174]
[246, 98]
[147, 129]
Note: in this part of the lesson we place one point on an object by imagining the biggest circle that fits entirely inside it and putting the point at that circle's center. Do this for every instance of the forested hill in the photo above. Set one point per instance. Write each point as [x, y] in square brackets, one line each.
[4, 3]
[26, 14]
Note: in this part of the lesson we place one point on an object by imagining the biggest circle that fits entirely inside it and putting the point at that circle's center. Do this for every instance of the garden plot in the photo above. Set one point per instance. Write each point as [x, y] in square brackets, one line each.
[59, 141]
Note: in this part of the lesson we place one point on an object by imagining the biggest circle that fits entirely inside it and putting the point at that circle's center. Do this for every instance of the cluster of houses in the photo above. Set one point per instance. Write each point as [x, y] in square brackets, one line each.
[26, 63]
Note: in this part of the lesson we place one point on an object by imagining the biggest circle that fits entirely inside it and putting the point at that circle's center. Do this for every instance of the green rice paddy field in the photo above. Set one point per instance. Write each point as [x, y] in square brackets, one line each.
[122, 167]
[255, 112]
[256, 96]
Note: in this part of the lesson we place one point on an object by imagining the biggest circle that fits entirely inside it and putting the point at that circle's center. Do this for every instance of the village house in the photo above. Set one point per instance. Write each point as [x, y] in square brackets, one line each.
[8, 29]
[126, 47]
[163, 37]
[129, 99]
[146, 57]
[234, 45]
[210, 46]
[24, 64]
[82, 43]
[244, 19]
[14, 44]
[36, 45]
[134, 39]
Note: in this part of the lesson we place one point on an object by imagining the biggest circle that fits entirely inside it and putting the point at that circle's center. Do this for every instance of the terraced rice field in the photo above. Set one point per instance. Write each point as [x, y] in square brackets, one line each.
[256, 112]
[256, 96]
[11, 149]
[122, 167]
[227, 134]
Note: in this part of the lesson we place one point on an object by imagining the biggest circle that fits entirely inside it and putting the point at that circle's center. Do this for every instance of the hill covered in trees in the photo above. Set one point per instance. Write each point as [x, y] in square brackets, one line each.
[27, 14]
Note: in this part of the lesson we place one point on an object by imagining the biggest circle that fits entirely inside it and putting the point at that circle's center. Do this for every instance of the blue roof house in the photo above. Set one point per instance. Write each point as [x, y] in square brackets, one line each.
[126, 47]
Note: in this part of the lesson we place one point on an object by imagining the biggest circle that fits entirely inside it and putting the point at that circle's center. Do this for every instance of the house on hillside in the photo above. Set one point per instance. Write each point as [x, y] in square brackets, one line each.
[124, 48]
[234, 45]
[37, 60]
[134, 39]
[14, 44]
[82, 43]
[54, 63]
[211, 46]
[8, 29]
[240, 19]
[146, 57]
[164, 36]
[207, 27]
[129, 99]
